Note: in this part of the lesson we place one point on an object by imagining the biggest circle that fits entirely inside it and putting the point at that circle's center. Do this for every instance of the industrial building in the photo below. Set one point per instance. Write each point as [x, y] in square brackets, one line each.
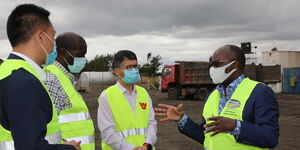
[290, 69]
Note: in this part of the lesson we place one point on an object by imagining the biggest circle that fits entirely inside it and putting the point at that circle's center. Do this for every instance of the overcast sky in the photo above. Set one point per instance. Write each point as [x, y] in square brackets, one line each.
[174, 29]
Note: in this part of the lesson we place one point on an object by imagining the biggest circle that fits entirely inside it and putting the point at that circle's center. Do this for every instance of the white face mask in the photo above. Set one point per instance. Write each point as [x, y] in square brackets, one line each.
[218, 74]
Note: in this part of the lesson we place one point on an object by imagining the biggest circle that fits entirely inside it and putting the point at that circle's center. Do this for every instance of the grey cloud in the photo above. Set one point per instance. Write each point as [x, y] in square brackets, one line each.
[253, 20]
[266, 19]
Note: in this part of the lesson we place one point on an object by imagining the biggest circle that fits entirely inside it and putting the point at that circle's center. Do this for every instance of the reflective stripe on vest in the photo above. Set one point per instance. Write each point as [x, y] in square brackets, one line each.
[84, 139]
[234, 110]
[7, 145]
[54, 138]
[133, 131]
[53, 135]
[76, 122]
[131, 126]
[74, 117]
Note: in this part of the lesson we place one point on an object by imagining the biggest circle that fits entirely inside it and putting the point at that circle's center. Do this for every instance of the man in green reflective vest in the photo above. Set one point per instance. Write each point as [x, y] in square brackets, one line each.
[74, 118]
[125, 114]
[240, 114]
[27, 116]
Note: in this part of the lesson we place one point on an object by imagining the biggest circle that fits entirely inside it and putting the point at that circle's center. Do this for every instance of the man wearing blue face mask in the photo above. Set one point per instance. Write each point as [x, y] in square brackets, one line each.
[28, 119]
[125, 114]
[74, 118]
[240, 114]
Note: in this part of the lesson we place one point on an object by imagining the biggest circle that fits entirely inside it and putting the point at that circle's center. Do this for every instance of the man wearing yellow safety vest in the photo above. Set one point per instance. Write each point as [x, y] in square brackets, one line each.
[28, 118]
[74, 118]
[240, 114]
[125, 114]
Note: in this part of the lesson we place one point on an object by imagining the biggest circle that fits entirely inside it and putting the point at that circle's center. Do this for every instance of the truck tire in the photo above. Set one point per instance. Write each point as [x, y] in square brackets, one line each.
[173, 94]
[202, 93]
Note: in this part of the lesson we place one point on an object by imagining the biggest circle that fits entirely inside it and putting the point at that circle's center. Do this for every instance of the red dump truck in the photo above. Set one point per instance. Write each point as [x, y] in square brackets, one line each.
[191, 79]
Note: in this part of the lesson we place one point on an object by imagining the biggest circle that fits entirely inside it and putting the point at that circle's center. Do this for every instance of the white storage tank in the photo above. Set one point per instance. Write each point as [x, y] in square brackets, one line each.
[93, 78]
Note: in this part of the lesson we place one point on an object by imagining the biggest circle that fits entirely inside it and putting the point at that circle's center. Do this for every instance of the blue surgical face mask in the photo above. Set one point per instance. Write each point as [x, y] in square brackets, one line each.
[78, 64]
[50, 57]
[131, 76]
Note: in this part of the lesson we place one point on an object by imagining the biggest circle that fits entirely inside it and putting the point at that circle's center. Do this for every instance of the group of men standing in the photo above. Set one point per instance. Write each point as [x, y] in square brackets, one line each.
[40, 108]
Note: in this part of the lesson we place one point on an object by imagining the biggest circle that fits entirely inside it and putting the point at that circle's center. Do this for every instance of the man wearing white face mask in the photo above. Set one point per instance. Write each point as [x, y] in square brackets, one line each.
[74, 118]
[240, 114]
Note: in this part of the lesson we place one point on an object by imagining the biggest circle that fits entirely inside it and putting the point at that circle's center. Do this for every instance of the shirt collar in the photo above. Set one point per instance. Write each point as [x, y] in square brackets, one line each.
[35, 66]
[231, 87]
[64, 70]
[123, 89]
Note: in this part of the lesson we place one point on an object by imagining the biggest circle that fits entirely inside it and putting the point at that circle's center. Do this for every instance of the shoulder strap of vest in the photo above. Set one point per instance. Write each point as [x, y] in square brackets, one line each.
[246, 87]
[63, 79]
[115, 87]
[10, 65]
[53, 69]
[141, 89]
[111, 88]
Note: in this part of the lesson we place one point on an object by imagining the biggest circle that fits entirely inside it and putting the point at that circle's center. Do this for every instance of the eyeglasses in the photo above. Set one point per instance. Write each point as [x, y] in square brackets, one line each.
[130, 67]
[218, 63]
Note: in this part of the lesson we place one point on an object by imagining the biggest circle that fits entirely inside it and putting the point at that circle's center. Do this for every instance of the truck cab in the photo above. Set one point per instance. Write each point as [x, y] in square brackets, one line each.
[168, 78]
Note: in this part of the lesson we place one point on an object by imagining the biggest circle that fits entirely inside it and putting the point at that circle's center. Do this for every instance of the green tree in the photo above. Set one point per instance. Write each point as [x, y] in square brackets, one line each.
[274, 49]
[152, 66]
[99, 63]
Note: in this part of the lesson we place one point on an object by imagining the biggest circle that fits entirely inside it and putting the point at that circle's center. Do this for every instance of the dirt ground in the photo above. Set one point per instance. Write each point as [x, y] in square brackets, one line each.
[170, 139]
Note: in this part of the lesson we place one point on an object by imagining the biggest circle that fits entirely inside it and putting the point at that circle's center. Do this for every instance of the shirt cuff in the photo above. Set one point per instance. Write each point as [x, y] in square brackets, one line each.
[237, 130]
[182, 122]
[150, 141]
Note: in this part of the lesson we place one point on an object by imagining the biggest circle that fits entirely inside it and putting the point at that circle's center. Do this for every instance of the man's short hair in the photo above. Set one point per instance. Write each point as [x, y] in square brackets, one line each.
[23, 21]
[70, 41]
[120, 56]
[240, 55]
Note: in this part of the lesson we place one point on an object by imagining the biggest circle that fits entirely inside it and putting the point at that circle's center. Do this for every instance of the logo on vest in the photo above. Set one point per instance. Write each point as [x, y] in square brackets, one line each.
[143, 105]
[233, 103]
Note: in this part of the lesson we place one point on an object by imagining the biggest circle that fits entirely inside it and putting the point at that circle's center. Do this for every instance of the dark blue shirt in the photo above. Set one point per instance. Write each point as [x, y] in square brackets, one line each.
[260, 121]
[25, 110]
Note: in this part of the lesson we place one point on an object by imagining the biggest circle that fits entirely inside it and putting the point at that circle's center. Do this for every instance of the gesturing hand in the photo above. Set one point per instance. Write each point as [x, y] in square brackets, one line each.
[169, 112]
[221, 124]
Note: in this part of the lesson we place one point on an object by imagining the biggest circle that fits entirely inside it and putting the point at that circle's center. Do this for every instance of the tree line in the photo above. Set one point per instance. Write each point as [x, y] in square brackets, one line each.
[103, 63]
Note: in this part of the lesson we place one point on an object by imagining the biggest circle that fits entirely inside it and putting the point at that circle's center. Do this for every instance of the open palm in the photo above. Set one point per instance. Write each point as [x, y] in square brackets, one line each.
[169, 112]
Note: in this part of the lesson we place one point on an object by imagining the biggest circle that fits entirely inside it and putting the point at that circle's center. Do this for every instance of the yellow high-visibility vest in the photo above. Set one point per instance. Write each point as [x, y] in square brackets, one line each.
[53, 135]
[234, 110]
[132, 127]
[75, 123]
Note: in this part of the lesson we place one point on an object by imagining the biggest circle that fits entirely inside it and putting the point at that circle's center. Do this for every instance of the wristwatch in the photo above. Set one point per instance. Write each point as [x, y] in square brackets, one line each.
[149, 146]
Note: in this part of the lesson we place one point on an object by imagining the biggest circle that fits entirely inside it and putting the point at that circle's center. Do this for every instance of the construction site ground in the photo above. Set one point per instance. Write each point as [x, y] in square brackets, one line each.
[169, 137]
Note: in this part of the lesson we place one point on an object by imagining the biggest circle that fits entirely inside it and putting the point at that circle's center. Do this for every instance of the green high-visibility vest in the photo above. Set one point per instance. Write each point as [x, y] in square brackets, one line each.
[132, 127]
[234, 110]
[53, 135]
[75, 123]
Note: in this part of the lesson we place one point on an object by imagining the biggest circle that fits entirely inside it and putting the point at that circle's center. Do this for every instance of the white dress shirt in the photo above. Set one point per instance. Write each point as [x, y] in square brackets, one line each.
[107, 126]
[35, 66]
